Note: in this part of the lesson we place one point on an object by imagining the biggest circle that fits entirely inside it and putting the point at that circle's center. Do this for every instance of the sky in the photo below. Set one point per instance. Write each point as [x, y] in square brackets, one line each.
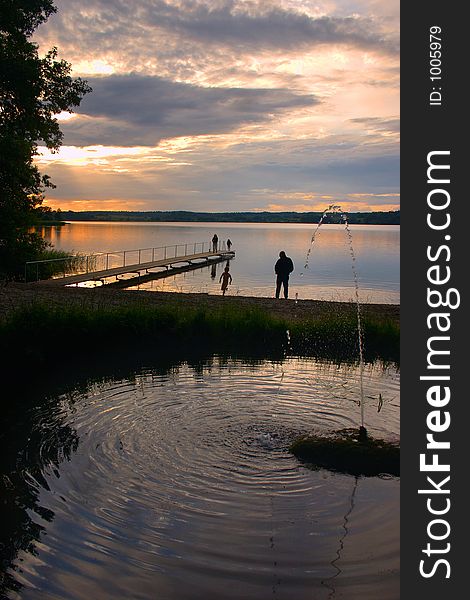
[228, 105]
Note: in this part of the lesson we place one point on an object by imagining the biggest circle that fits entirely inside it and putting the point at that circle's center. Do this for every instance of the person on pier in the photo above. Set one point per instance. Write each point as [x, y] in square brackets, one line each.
[215, 241]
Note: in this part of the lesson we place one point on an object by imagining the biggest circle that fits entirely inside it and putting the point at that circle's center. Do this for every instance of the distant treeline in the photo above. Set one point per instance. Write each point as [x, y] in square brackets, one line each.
[365, 218]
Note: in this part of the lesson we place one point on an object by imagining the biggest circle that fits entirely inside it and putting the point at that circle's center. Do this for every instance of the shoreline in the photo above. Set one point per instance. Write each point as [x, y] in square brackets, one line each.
[14, 296]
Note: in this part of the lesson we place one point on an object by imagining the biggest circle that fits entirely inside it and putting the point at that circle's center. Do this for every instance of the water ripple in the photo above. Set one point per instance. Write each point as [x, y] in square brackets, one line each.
[182, 483]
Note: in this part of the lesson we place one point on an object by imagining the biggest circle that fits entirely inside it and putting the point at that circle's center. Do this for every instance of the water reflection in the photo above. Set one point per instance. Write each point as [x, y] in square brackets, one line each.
[51, 233]
[334, 563]
[329, 276]
[182, 482]
[35, 442]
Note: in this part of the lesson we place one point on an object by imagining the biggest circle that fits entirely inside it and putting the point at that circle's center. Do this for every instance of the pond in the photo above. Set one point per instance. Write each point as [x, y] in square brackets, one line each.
[174, 481]
[328, 277]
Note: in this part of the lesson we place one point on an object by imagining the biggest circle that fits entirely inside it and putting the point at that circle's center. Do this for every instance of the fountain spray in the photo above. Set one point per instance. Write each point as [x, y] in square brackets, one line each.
[335, 208]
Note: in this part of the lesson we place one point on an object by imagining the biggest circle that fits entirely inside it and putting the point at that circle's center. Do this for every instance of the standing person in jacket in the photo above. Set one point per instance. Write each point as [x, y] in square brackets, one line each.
[283, 268]
[215, 241]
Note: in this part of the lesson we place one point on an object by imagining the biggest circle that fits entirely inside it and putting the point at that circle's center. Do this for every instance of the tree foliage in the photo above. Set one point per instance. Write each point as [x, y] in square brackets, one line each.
[33, 90]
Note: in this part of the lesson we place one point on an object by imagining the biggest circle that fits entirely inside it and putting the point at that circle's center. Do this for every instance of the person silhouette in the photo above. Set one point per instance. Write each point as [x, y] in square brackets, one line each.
[215, 241]
[283, 268]
[226, 279]
[229, 244]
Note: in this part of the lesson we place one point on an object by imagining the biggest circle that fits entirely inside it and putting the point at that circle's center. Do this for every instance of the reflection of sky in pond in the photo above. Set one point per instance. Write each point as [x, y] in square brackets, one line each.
[182, 482]
[257, 246]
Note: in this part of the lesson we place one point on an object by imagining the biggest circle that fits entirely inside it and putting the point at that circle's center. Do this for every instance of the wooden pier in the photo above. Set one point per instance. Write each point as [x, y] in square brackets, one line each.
[172, 266]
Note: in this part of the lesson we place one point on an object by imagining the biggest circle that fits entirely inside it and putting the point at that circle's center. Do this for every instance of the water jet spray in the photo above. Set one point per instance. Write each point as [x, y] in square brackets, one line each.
[336, 208]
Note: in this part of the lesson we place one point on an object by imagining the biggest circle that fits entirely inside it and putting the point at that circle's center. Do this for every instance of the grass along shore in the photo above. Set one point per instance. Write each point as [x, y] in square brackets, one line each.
[41, 325]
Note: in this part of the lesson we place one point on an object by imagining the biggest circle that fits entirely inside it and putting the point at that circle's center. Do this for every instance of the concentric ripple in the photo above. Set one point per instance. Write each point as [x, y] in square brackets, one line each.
[181, 486]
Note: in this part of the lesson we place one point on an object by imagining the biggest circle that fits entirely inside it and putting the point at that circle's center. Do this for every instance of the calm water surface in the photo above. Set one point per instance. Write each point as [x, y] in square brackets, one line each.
[257, 246]
[176, 483]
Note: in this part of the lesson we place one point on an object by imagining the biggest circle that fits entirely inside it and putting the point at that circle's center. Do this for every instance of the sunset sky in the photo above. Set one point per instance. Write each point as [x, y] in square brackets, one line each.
[228, 105]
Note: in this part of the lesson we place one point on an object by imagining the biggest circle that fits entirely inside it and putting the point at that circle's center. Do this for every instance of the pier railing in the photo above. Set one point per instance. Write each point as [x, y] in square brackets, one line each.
[102, 261]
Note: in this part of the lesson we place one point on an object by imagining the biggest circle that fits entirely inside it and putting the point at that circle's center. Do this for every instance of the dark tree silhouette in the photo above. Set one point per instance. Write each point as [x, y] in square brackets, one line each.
[32, 91]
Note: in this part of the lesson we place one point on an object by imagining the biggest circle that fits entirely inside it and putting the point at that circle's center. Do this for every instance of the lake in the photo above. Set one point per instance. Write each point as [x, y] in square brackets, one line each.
[328, 277]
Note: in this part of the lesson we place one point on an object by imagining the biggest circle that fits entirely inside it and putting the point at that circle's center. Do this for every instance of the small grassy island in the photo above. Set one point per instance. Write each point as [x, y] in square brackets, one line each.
[347, 451]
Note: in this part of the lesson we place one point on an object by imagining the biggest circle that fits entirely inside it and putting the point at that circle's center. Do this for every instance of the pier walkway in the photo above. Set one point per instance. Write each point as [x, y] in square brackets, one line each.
[75, 270]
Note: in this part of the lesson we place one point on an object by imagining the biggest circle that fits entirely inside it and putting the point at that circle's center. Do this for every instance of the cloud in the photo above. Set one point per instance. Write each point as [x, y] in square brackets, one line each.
[322, 204]
[199, 104]
[135, 110]
[229, 42]
[390, 126]
[231, 24]
[244, 26]
[240, 177]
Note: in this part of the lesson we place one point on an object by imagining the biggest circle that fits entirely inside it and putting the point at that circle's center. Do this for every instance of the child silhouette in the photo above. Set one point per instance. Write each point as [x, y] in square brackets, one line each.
[226, 279]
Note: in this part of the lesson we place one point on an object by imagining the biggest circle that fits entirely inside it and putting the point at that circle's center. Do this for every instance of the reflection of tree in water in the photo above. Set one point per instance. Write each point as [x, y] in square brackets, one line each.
[328, 582]
[35, 437]
[30, 443]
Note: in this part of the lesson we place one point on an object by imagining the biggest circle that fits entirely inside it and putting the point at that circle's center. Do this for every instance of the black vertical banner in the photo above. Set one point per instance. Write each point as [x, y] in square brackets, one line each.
[435, 333]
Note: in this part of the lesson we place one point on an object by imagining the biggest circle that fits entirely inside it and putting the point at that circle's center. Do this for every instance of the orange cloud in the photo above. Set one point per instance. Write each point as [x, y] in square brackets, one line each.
[111, 204]
[321, 206]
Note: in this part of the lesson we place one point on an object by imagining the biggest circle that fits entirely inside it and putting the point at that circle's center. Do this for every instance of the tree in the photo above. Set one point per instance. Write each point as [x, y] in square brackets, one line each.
[33, 91]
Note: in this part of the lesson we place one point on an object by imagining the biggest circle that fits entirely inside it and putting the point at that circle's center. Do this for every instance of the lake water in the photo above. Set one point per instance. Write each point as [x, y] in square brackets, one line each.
[328, 277]
[175, 482]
